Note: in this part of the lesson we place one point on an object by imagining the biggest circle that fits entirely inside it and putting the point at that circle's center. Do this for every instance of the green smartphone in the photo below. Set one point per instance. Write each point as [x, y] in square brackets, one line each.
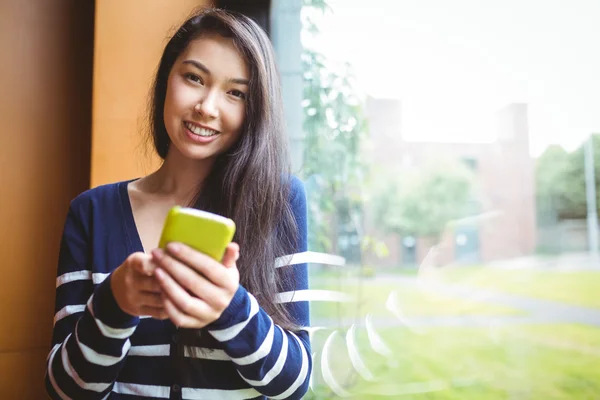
[203, 231]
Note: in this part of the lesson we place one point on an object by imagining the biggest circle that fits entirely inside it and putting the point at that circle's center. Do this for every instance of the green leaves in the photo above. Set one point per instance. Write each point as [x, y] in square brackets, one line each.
[334, 127]
[560, 182]
[425, 200]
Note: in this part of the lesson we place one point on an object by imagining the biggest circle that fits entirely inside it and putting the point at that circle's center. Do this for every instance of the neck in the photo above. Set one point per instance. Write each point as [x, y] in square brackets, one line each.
[179, 178]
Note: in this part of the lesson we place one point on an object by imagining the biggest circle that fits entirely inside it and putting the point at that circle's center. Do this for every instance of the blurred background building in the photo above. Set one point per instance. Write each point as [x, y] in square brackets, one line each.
[504, 175]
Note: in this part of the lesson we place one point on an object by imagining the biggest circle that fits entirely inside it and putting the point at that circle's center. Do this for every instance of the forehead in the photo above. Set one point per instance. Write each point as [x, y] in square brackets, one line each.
[219, 55]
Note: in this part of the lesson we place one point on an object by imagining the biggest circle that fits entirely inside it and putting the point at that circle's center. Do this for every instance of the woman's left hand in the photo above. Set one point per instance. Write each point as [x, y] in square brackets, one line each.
[196, 288]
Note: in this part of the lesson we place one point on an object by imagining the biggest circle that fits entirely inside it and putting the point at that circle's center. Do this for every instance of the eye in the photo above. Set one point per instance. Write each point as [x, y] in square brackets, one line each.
[193, 78]
[238, 93]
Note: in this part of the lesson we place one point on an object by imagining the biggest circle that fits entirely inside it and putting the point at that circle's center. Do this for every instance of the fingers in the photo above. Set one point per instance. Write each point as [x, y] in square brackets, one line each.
[151, 305]
[156, 313]
[179, 304]
[200, 262]
[144, 266]
[142, 263]
[232, 253]
[180, 319]
[153, 300]
[185, 276]
[147, 284]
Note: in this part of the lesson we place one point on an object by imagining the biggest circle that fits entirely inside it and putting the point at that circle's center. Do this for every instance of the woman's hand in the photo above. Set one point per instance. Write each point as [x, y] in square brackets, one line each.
[196, 289]
[136, 290]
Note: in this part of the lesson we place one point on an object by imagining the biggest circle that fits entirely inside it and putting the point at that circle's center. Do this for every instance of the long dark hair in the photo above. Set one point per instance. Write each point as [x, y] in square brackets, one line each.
[250, 183]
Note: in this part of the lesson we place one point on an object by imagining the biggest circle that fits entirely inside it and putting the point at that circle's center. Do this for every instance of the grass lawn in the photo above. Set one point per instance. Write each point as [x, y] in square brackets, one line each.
[535, 361]
[581, 288]
[471, 364]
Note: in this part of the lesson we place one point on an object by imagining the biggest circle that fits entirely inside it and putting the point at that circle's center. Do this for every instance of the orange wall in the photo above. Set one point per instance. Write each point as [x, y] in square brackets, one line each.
[130, 36]
[54, 53]
[45, 109]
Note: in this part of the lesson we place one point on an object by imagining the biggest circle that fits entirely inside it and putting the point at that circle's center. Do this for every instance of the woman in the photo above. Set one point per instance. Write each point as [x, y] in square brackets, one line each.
[133, 321]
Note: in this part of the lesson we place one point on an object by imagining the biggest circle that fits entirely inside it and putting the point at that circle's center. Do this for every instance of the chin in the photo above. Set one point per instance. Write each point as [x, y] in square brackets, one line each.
[190, 152]
[194, 154]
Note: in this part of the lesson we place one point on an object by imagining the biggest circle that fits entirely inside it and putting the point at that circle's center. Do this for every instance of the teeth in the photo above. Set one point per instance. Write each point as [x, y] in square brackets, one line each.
[196, 130]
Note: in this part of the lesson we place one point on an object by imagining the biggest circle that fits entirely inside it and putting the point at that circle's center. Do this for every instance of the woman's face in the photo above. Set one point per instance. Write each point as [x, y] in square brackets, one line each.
[205, 103]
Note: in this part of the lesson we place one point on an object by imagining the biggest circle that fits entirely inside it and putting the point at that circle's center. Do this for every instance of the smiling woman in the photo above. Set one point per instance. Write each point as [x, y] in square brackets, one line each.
[136, 321]
[205, 98]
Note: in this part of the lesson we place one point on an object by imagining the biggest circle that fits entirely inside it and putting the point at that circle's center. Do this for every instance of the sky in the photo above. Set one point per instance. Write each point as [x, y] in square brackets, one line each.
[453, 64]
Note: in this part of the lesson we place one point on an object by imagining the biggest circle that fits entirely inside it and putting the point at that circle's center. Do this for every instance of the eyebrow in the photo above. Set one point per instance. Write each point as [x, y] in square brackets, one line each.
[203, 68]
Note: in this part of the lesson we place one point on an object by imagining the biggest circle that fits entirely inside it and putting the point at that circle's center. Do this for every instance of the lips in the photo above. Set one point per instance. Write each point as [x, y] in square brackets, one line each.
[200, 130]
[200, 135]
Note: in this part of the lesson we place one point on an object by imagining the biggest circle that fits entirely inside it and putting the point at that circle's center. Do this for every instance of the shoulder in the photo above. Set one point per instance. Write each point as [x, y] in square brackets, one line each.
[105, 196]
[297, 192]
[298, 209]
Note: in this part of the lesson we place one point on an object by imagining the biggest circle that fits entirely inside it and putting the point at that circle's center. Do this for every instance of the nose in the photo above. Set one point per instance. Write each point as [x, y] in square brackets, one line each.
[207, 105]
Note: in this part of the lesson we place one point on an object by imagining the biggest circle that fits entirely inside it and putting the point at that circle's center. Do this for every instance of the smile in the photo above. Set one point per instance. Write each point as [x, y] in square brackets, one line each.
[200, 131]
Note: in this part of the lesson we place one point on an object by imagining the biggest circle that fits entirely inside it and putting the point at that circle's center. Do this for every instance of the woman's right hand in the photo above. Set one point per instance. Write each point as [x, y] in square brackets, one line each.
[135, 288]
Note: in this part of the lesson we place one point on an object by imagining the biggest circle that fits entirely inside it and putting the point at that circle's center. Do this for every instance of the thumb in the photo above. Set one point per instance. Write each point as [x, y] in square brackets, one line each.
[232, 253]
[142, 264]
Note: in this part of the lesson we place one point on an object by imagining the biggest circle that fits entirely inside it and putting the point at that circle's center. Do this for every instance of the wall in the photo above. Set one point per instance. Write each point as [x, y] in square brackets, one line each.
[45, 101]
[129, 39]
[59, 58]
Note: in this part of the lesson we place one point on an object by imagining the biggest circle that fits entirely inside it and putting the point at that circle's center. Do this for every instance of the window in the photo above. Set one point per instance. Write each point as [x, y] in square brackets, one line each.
[423, 256]
[470, 162]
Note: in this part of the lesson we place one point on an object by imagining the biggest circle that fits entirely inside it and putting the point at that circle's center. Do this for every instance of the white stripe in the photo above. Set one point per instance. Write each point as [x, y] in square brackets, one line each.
[94, 387]
[83, 275]
[158, 350]
[277, 368]
[92, 356]
[355, 357]
[68, 310]
[312, 295]
[375, 340]
[303, 372]
[326, 370]
[99, 277]
[223, 335]
[108, 331]
[206, 353]
[164, 350]
[311, 331]
[262, 351]
[51, 374]
[218, 394]
[73, 276]
[311, 380]
[142, 390]
[309, 257]
[51, 350]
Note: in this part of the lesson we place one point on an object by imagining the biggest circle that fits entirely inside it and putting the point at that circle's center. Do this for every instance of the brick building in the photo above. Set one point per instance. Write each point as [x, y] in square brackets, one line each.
[505, 225]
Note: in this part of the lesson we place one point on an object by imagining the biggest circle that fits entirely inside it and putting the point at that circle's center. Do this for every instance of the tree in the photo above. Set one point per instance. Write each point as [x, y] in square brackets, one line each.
[334, 128]
[550, 183]
[560, 182]
[422, 202]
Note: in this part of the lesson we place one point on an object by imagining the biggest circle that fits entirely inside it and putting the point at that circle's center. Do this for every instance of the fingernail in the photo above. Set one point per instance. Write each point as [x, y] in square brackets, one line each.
[174, 247]
[157, 253]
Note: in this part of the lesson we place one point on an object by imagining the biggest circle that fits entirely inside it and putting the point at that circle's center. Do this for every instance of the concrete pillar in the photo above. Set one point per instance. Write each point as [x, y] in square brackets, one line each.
[286, 27]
